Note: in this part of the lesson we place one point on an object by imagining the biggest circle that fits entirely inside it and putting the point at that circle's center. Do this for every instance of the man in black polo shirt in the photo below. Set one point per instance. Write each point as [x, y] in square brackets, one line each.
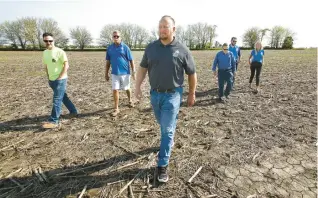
[165, 60]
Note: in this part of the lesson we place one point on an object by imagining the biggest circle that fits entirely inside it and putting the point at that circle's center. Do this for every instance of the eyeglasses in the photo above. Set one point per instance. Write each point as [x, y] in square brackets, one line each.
[225, 49]
[234, 41]
[115, 36]
[47, 41]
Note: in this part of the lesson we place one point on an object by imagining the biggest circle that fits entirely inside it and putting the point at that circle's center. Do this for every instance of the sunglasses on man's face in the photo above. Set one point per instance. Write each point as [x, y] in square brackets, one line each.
[48, 41]
[115, 36]
[234, 41]
[225, 49]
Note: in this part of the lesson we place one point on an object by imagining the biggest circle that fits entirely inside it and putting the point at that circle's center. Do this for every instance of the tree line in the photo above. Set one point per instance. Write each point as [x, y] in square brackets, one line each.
[279, 37]
[27, 33]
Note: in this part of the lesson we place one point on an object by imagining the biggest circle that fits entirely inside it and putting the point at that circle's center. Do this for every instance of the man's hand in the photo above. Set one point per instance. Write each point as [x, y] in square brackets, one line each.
[107, 77]
[191, 99]
[138, 93]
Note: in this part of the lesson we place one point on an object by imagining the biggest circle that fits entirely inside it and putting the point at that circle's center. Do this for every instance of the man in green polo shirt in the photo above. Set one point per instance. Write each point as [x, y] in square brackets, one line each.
[56, 66]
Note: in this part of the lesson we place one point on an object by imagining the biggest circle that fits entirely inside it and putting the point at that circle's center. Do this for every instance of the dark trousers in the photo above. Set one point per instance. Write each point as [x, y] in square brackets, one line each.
[255, 66]
[225, 76]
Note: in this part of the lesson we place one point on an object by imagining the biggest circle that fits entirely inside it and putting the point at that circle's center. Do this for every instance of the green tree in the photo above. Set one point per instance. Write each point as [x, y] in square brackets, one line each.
[251, 35]
[81, 36]
[288, 43]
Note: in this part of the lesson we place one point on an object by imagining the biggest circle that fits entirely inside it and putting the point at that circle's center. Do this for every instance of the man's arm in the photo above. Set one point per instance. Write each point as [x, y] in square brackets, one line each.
[239, 55]
[47, 72]
[64, 60]
[215, 62]
[64, 71]
[192, 80]
[192, 83]
[141, 74]
[132, 65]
[107, 70]
[249, 59]
[233, 63]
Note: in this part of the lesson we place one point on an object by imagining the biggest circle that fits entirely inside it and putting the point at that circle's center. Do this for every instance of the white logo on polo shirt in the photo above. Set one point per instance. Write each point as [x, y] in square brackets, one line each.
[176, 53]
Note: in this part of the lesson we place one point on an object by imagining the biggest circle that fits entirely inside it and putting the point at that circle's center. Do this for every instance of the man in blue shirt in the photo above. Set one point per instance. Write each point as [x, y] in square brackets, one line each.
[119, 57]
[237, 55]
[225, 62]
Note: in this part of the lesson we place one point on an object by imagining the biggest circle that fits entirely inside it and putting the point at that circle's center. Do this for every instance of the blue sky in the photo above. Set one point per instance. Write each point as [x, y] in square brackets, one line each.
[232, 17]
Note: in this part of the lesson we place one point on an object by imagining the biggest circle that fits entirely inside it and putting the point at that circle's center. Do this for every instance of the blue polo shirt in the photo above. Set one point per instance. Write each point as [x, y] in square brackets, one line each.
[257, 56]
[224, 61]
[119, 57]
[236, 51]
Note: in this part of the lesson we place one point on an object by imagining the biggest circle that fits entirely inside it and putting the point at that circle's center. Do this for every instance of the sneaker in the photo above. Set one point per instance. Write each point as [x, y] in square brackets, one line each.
[50, 125]
[227, 97]
[162, 174]
[222, 99]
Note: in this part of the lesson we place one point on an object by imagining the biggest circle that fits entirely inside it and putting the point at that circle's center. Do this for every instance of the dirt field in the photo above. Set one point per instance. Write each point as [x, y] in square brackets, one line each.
[256, 145]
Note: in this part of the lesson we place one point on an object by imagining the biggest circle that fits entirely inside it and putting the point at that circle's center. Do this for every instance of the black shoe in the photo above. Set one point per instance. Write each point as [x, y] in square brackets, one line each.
[163, 174]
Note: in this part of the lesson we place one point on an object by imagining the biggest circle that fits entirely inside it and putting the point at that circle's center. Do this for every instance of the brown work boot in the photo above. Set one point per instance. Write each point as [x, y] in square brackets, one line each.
[50, 125]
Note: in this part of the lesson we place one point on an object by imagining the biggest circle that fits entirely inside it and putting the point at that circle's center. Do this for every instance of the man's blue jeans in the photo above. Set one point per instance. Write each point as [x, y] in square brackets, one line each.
[166, 108]
[59, 96]
[225, 76]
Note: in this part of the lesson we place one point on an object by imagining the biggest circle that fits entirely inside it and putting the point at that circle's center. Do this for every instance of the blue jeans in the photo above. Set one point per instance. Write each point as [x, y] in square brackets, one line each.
[59, 96]
[225, 76]
[166, 108]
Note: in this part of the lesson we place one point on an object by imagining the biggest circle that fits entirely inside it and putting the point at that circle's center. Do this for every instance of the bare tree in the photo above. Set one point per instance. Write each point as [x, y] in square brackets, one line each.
[190, 36]
[51, 26]
[106, 34]
[81, 36]
[29, 25]
[153, 35]
[201, 35]
[211, 34]
[141, 36]
[263, 33]
[7, 31]
[127, 33]
[181, 34]
[278, 35]
[250, 36]
[217, 44]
